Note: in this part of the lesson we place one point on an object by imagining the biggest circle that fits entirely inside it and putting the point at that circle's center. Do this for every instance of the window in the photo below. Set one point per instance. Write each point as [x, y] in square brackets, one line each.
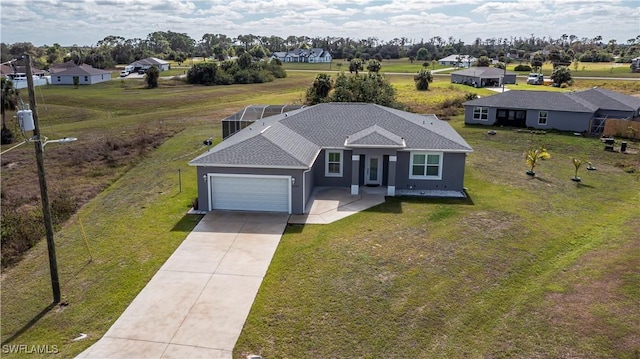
[425, 165]
[542, 118]
[333, 163]
[86, 78]
[481, 113]
[58, 78]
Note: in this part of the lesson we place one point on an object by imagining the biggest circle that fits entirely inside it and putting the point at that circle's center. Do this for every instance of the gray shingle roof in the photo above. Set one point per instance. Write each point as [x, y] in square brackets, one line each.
[294, 139]
[610, 100]
[535, 100]
[149, 61]
[74, 70]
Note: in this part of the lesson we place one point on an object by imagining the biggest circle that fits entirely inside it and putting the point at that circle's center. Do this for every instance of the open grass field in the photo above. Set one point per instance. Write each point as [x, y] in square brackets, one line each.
[395, 66]
[584, 69]
[523, 268]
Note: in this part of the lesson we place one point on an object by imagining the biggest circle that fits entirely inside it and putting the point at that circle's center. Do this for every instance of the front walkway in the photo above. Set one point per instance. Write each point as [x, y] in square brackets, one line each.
[197, 303]
[329, 204]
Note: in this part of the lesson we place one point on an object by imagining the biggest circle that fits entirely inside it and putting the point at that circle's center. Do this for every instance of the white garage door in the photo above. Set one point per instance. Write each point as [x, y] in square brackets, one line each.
[250, 192]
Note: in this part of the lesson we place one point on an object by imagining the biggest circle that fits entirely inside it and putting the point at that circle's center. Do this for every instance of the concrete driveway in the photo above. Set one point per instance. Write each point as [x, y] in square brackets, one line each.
[197, 303]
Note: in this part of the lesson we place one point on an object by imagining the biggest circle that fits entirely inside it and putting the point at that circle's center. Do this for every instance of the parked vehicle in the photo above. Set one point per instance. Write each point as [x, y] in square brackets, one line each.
[124, 73]
[535, 79]
[142, 71]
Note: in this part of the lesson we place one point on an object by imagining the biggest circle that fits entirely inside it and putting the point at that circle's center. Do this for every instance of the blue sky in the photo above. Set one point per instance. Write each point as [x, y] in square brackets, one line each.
[86, 22]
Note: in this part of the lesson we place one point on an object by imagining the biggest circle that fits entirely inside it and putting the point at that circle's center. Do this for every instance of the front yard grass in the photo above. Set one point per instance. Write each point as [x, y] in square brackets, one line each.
[526, 267]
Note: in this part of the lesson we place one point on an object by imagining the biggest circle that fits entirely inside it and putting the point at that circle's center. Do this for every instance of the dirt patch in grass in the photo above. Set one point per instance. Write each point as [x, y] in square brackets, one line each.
[603, 299]
[75, 174]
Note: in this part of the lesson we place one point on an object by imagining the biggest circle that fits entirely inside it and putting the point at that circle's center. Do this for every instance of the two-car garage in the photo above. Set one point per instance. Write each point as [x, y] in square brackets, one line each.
[270, 193]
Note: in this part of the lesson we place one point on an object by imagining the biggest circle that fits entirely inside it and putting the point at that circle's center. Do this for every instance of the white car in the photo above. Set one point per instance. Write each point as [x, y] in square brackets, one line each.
[124, 73]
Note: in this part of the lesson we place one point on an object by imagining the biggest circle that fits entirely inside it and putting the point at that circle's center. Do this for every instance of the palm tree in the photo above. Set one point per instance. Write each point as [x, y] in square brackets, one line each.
[9, 103]
[577, 163]
[151, 77]
[319, 91]
[422, 80]
[533, 157]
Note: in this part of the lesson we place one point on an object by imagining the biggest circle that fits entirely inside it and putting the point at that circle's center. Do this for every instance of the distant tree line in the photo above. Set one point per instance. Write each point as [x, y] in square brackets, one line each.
[168, 45]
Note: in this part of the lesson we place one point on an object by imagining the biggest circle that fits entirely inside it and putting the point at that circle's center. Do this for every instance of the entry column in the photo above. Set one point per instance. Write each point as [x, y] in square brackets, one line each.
[355, 174]
[391, 180]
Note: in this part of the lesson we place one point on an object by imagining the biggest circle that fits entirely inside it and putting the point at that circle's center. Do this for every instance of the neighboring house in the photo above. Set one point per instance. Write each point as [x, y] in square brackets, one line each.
[145, 64]
[18, 76]
[313, 55]
[18, 72]
[275, 163]
[483, 76]
[63, 74]
[458, 60]
[583, 111]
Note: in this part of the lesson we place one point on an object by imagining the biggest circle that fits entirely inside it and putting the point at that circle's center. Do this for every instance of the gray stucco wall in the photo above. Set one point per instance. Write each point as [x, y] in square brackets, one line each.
[560, 120]
[468, 116]
[68, 80]
[297, 195]
[319, 171]
[510, 79]
[452, 174]
[556, 120]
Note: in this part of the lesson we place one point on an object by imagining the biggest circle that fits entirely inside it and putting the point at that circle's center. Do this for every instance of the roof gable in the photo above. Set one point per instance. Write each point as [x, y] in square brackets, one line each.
[374, 136]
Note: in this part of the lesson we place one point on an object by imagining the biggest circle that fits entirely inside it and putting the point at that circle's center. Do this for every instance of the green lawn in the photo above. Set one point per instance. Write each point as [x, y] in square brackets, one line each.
[524, 268]
[587, 69]
[393, 66]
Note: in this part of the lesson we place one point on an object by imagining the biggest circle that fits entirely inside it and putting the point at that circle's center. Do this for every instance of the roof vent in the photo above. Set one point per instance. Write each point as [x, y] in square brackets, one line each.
[286, 114]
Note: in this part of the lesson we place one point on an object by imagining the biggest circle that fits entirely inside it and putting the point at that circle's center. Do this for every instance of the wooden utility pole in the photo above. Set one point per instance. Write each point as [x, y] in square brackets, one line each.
[44, 193]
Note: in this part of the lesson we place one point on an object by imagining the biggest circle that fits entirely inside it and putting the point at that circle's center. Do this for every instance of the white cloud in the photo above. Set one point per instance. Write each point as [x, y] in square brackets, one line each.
[88, 21]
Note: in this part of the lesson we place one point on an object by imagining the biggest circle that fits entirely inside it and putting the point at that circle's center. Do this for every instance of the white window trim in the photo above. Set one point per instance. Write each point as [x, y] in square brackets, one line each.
[326, 163]
[546, 118]
[425, 177]
[484, 110]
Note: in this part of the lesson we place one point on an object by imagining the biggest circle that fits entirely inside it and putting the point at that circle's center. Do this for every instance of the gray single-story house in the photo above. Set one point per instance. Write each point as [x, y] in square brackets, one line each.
[145, 64]
[581, 111]
[483, 76]
[65, 73]
[275, 163]
[458, 60]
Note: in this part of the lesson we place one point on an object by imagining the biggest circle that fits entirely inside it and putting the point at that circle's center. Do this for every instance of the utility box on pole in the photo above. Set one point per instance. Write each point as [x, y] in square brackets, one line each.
[25, 118]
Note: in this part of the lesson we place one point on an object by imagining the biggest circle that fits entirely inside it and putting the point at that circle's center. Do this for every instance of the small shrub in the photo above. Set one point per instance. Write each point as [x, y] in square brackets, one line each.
[470, 96]
[522, 68]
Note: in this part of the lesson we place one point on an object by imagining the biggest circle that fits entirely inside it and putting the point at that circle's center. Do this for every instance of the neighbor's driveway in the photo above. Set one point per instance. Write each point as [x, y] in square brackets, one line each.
[197, 303]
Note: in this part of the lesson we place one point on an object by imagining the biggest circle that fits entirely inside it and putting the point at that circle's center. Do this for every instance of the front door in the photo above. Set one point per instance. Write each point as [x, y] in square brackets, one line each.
[373, 171]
